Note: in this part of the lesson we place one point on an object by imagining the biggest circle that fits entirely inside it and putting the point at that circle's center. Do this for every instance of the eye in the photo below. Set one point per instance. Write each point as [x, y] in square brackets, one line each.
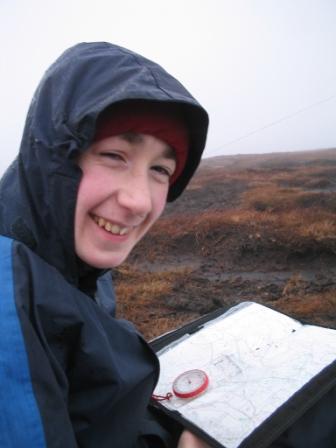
[114, 160]
[162, 170]
[111, 155]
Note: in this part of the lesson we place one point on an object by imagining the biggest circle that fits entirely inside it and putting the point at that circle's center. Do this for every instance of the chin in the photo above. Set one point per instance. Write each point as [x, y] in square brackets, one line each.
[103, 262]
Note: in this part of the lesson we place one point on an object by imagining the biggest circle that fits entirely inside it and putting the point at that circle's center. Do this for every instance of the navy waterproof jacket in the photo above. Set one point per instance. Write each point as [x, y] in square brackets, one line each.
[71, 375]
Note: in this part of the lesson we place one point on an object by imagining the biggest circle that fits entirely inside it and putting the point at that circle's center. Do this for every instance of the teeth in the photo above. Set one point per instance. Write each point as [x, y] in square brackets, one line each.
[115, 229]
[109, 227]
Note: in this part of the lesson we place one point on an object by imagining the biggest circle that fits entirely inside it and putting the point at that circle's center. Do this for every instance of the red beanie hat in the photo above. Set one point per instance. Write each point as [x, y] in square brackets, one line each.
[161, 120]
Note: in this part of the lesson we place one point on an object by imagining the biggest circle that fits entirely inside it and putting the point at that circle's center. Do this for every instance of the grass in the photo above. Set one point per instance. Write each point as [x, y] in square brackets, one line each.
[290, 226]
[144, 293]
[318, 308]
[276, 210]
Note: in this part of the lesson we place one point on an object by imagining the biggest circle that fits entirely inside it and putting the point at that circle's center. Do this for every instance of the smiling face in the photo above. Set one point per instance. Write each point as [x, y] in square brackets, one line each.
[122, 192]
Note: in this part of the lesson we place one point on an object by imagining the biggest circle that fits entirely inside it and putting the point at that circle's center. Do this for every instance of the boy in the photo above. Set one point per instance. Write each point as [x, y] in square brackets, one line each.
[109, 138]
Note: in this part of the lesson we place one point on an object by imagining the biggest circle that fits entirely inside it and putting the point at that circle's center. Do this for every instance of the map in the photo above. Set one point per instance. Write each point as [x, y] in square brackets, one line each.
[256, 359]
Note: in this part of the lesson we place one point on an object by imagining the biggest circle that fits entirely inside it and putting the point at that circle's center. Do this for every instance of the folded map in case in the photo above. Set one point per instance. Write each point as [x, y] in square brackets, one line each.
[256, 360]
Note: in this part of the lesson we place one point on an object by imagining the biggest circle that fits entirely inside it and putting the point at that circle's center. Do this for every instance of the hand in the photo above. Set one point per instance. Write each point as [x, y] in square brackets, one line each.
[188, 440]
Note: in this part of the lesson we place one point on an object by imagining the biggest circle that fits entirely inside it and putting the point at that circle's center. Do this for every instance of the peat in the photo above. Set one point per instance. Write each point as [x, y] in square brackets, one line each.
[260, 228]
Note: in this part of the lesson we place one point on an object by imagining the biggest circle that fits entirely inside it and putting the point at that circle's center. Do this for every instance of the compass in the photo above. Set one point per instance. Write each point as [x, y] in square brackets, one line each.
[190, 384]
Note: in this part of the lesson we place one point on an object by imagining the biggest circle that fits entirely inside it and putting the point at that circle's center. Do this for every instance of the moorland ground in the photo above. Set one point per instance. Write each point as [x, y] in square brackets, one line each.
[259, 228]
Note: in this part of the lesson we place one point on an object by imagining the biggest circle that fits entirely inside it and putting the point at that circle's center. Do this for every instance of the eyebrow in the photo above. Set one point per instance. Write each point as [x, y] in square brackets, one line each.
[169, 153]
[131, 137]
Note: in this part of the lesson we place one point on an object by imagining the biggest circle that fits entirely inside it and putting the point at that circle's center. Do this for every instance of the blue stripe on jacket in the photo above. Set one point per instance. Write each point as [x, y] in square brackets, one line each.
[20, 421]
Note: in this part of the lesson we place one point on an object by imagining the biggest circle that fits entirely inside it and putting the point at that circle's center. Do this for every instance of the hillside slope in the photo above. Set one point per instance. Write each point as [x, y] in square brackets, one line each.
[259, 228]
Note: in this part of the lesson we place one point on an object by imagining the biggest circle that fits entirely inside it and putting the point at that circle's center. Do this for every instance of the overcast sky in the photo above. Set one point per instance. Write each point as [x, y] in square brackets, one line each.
[264, 69]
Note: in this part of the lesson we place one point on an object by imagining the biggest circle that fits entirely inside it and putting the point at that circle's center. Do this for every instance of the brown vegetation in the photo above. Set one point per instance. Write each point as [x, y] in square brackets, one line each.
[259, 228]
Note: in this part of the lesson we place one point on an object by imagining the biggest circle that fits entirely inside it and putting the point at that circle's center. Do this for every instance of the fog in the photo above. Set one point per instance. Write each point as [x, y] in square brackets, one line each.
[264, 69]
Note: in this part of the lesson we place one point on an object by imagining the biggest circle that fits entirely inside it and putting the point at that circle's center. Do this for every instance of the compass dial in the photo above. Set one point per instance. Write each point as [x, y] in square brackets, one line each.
[190, 384]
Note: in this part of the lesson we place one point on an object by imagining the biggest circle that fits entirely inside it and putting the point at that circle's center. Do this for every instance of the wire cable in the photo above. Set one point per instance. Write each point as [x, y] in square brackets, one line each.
[280, 120]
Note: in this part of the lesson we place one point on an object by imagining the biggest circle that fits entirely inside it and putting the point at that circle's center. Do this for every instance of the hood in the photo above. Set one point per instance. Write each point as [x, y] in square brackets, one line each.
[38, 192]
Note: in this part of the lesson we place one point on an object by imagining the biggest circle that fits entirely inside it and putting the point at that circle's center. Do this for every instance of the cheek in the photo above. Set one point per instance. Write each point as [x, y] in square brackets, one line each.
[159, 203]
[83, 196]
[80, 209]
[92, 186]
[88, 195]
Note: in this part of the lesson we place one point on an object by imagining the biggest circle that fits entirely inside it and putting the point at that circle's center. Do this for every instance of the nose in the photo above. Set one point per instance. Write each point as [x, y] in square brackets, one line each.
[135, 195]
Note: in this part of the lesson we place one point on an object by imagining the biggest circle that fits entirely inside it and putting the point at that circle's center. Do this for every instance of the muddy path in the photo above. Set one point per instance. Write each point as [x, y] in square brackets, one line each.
[305, 290]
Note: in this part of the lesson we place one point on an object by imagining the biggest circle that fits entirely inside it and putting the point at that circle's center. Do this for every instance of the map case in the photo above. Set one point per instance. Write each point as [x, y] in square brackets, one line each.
[265, 370]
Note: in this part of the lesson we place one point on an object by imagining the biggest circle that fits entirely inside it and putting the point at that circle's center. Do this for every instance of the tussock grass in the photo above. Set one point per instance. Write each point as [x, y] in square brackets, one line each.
[311, 223]
[320, 231]
[278, 208]
[275, 199]
[142, 286]
[317, 308]
[143, 294]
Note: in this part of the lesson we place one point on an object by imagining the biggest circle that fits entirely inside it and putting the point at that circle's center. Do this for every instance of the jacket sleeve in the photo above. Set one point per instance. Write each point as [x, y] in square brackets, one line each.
[105, 295]
[33, 407]
[316, 428]
[159, 431]
[20, 420]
